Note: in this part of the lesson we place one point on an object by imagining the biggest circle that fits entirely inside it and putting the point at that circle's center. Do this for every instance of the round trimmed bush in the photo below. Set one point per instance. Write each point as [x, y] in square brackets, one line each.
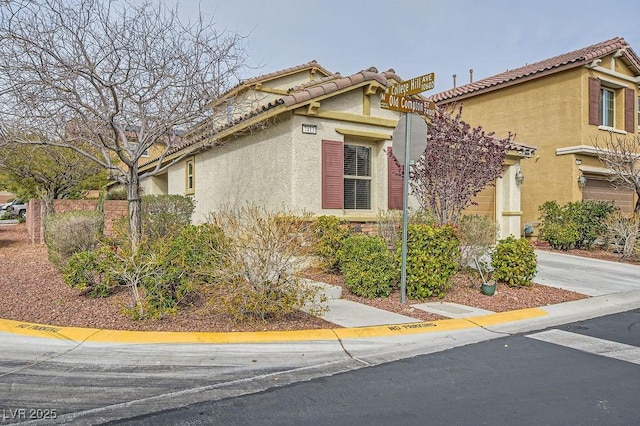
[368, 266]
[514, 262]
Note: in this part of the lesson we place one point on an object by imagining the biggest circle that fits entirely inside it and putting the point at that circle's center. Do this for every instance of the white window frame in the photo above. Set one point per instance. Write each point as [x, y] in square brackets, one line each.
[607, 107]
[190, 176]
[357, 177]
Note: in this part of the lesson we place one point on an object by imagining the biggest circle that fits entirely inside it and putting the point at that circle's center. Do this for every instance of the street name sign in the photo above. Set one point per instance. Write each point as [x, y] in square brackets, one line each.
[406, 104]
[414, 86]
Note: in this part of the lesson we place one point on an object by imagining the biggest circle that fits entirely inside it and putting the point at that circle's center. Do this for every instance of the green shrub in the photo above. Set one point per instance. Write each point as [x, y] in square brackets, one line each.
[368, 266]
[577, 224]
[328, 234]
[514, 262]
[183, 263]
[555, 226]
[87, 271]
[561, 236]
[116, 194]
[68, 233]
[159, 275]
[590, 217]
[163, 215]
[390, 223]
[477, 236]
[432, 253]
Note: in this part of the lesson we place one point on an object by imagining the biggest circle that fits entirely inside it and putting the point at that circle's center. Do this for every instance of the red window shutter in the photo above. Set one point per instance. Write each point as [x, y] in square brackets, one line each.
[629, 110]
[395, 183]
[594, 101]
[332, 175]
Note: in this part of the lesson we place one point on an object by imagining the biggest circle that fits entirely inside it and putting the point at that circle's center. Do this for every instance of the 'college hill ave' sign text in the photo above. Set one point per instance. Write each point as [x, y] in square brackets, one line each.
[397, 97]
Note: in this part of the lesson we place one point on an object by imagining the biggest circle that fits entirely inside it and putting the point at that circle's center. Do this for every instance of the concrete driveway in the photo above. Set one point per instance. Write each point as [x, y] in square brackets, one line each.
[584, 275]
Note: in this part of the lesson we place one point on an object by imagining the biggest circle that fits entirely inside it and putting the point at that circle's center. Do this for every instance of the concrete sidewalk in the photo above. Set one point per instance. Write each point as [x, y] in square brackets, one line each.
[347, 313]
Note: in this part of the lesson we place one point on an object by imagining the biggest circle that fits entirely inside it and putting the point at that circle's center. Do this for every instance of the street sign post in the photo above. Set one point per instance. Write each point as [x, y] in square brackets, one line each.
[397, 98]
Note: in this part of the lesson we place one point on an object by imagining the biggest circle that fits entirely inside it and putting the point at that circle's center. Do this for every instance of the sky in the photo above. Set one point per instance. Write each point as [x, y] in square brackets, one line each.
[417, 37]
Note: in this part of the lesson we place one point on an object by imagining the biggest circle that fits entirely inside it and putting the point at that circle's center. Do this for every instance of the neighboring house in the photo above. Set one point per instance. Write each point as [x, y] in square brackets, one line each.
[560, 105]
[306, 139]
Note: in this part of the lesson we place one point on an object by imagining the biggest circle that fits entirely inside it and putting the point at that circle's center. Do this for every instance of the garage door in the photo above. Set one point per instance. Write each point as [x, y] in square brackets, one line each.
[604, 190]
[486, 206]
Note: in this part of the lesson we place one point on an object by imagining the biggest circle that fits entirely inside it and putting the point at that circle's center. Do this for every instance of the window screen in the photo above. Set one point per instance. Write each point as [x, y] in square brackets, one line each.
[357, 177]
[607, 107]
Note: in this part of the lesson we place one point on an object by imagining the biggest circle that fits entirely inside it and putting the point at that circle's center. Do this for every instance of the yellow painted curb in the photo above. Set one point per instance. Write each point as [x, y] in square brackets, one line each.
[77, 334]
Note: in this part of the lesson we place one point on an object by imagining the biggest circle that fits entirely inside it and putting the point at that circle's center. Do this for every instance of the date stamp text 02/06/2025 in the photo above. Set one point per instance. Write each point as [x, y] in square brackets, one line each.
[13, 414]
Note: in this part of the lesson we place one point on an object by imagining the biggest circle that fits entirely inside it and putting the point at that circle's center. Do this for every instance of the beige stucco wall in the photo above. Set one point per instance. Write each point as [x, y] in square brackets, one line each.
[350, 102]
[281, 166]
[155, 185]
[256, 168]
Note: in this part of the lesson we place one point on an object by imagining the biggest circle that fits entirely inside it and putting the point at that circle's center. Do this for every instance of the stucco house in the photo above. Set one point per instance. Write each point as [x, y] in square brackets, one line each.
[561, 105]
[308, 140]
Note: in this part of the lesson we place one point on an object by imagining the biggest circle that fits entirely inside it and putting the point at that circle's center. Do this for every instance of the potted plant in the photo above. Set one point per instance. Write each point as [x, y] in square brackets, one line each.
[487, 287]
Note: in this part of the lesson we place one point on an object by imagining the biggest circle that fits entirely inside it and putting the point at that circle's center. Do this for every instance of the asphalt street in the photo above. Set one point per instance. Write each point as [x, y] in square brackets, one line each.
[525, 379]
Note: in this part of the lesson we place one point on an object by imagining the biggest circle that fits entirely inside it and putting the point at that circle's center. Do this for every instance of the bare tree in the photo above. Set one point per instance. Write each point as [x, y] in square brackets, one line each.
[621, 154]
[123, 76]
[458, 163]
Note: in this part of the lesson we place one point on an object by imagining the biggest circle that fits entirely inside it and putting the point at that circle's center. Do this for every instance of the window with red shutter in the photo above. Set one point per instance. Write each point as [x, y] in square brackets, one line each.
[332, 175]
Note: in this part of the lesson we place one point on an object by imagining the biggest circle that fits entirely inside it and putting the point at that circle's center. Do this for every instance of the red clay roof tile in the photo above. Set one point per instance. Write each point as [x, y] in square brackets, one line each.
[567, 60]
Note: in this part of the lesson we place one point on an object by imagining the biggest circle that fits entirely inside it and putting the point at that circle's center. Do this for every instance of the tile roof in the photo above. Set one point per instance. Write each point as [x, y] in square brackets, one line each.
[573, 59]
[298, 95]
[306, 93]
[301, 95]
[309, 65]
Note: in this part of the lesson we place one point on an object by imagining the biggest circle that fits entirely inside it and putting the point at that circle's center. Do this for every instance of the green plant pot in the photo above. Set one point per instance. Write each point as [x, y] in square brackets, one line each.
[488, 289]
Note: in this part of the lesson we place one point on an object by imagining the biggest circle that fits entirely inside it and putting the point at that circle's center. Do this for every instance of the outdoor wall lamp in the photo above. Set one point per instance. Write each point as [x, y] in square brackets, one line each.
[582, 181]
[519, 177]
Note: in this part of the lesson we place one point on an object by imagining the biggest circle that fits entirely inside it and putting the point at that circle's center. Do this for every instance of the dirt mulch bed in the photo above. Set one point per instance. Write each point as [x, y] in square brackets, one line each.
[32, 290]
[465, 291]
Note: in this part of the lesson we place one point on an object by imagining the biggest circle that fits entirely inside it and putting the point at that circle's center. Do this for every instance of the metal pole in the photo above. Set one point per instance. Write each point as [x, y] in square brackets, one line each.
[405, 209]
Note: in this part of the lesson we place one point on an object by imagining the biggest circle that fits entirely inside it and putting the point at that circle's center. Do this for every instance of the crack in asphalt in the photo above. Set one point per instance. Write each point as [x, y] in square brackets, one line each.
[47, 359]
